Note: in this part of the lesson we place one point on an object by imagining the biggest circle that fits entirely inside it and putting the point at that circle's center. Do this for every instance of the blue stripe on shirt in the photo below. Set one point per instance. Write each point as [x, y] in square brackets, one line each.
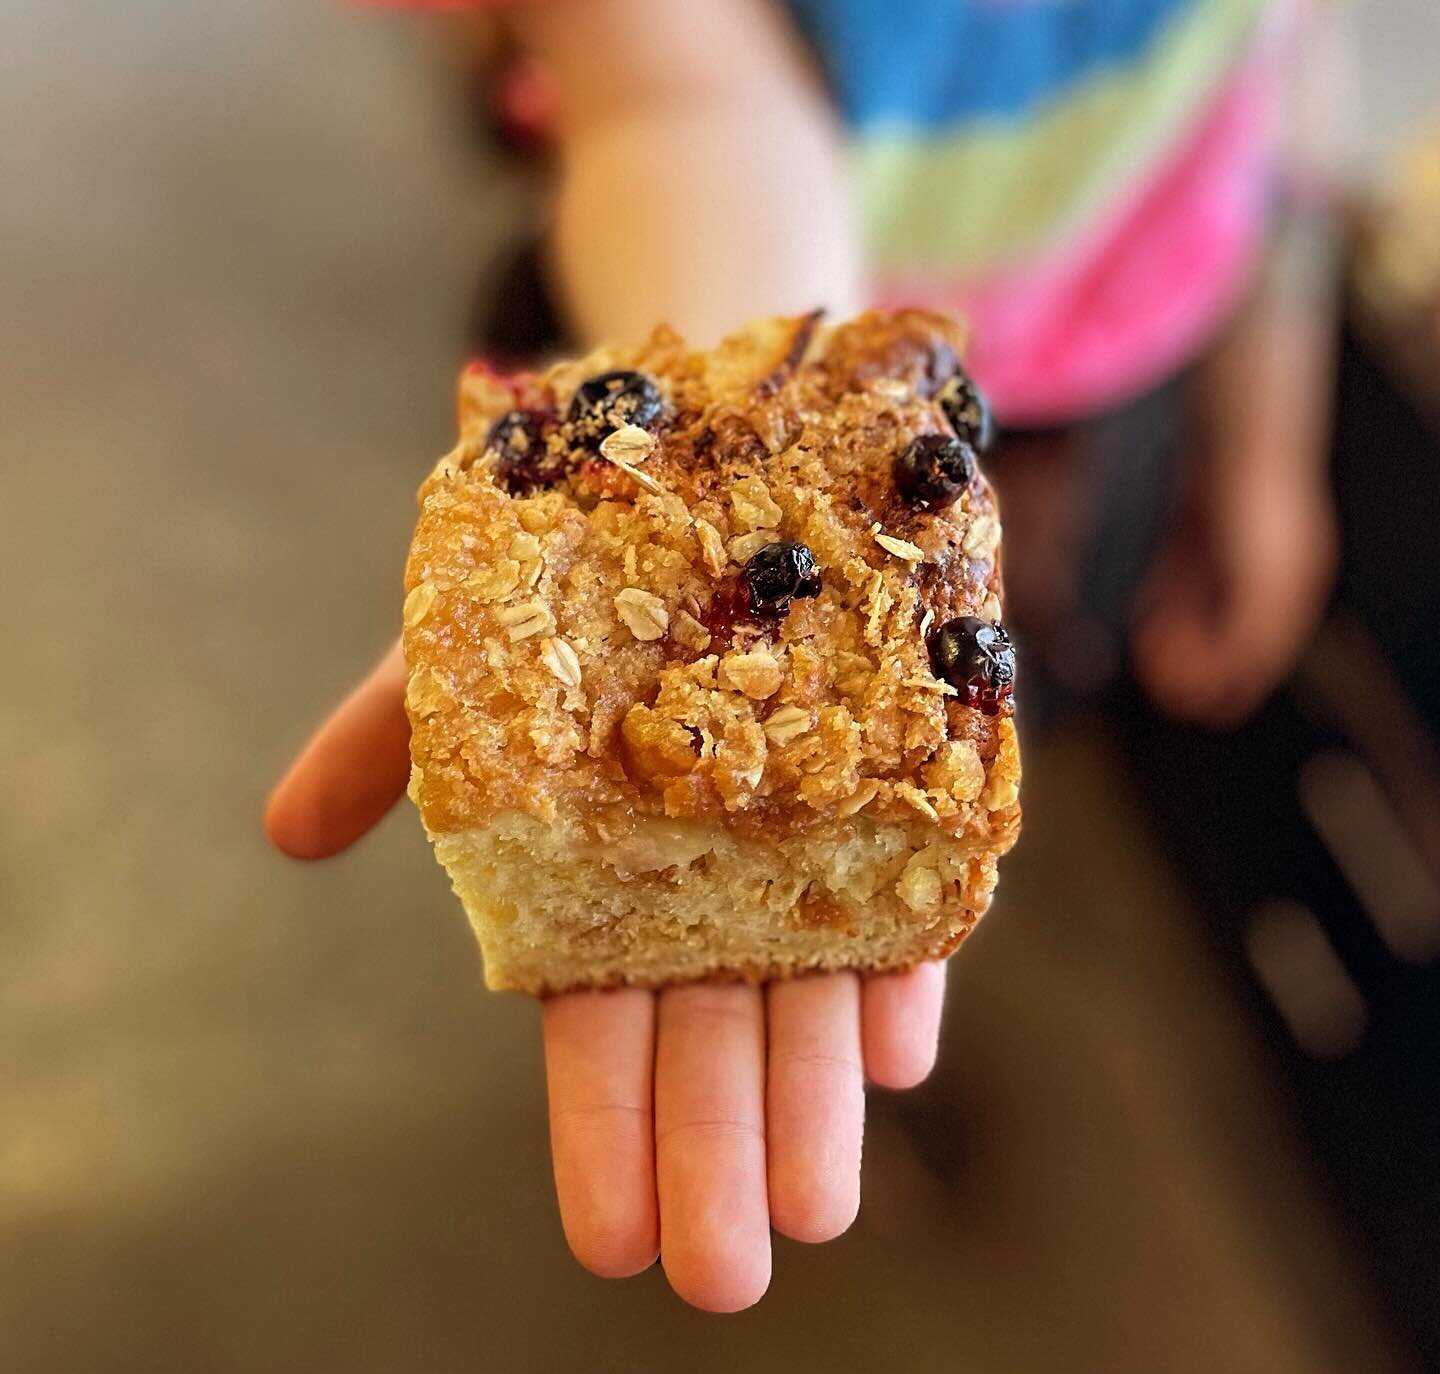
[933, 64]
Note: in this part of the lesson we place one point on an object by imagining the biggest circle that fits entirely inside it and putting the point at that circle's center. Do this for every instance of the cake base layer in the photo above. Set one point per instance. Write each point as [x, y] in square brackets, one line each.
[678, 901]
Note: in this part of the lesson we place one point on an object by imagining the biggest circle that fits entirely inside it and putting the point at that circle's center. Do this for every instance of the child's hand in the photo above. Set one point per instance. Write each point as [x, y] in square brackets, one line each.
[1238, 592]
[1244, 581]
[704, 1114]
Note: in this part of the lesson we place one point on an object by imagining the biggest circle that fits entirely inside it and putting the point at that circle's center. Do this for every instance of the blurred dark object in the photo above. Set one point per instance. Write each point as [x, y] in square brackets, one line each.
[1311, 838]
[514, 322]
[1085, 508]
[506, 103]
[507, 100]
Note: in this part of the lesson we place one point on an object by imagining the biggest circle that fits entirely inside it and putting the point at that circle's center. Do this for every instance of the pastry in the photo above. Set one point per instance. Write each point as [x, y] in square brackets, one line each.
[705, 665]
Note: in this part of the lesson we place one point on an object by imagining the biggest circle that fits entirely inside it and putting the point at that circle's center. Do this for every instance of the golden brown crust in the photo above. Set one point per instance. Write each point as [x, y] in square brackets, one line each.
[576, 654]
[756, 449]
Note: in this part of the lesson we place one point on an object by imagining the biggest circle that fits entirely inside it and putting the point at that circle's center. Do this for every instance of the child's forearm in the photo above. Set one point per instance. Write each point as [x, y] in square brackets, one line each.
[702, 176]
[1269, 379]
[701, 221]
[1274, 371]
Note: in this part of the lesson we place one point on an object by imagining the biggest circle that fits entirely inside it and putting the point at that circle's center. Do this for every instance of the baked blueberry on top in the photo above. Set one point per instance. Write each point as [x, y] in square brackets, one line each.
[516, 444]
[934, 469]
[777, 573]
[612, 400]
[968, 412]
[977, 659]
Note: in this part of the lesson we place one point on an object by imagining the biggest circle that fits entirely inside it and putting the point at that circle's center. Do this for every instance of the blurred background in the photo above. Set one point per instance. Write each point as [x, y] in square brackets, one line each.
[260, 1117]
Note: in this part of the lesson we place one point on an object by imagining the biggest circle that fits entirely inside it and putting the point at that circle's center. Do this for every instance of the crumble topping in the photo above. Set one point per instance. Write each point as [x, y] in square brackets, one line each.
[583, 629]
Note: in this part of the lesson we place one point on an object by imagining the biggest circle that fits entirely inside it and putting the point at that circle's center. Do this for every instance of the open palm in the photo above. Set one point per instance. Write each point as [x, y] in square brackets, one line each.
[684, 1123]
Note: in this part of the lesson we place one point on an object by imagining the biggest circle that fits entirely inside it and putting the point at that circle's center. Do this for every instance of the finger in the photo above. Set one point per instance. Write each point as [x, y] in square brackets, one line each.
[815, 1105]
[599, 1068]
[710, 1145]
[1175, 659]
[1267, 623]
[1218, 668]
[1220, 676]
[350, 774]
[900, 1024]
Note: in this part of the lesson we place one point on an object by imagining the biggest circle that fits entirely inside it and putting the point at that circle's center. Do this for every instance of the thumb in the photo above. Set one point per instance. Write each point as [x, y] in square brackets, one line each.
[350, 774]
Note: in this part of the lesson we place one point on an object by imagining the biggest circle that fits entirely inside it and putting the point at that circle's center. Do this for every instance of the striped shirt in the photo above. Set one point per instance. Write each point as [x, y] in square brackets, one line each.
[1086, 180]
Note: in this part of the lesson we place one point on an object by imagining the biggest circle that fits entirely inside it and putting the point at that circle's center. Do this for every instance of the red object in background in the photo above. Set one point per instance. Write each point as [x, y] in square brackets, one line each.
[524, 99]
[519, 97]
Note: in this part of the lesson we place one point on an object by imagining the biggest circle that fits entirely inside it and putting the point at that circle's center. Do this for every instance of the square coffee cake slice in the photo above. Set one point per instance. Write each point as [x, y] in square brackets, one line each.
[706, 669]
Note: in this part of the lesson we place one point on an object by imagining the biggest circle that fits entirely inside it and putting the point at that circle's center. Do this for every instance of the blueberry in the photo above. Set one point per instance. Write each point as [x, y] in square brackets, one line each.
[777, 574]
[522, 464]
[977, 659]
[934, 469]
[606, 402]
[967, 411]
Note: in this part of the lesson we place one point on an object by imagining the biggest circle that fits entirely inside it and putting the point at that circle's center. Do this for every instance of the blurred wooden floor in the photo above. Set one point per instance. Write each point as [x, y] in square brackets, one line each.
[263, 1118]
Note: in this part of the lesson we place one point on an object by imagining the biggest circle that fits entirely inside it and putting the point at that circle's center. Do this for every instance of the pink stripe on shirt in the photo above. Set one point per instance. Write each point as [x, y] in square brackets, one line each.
[1138, 295]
